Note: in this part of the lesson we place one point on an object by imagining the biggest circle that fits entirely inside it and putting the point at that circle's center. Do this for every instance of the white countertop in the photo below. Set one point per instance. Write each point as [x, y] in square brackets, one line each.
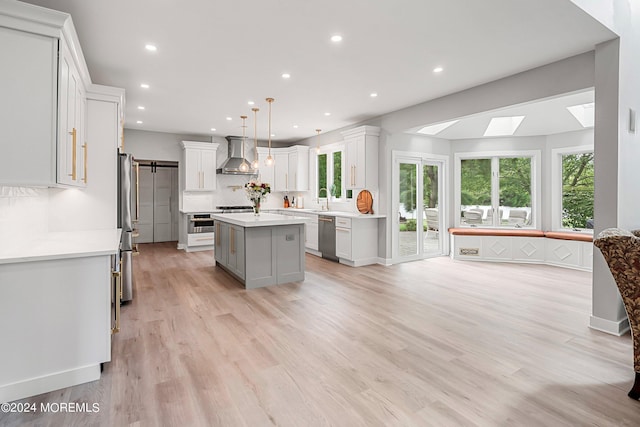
[60, 245]
[332, 213]
[262, 220]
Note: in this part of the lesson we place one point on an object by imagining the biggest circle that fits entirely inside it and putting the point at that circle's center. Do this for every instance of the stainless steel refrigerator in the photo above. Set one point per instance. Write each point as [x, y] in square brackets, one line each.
[125, 222]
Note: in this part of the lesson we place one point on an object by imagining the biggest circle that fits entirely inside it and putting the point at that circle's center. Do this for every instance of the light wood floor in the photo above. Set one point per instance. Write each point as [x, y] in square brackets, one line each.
[429, 343]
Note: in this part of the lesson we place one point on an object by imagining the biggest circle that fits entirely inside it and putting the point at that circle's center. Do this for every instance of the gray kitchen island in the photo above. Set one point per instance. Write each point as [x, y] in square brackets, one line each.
[260, 250]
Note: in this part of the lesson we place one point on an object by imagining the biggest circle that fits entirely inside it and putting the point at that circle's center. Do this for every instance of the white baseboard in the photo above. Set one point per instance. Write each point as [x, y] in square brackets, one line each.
[47, 383]
[181, 246]
[618, 328]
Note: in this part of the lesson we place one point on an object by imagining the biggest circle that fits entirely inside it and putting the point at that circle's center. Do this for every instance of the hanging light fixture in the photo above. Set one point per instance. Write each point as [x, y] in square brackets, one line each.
[244, 166]
[256, 162]
[318, 141]
[269, 160]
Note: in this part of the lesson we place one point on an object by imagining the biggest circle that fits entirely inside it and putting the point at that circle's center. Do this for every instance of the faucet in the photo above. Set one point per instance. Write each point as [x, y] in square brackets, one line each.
[326, 192]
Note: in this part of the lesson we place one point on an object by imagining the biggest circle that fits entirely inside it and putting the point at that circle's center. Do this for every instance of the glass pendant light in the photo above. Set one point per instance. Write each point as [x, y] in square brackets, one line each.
[244, 166]
[269, 160]
[256, 162]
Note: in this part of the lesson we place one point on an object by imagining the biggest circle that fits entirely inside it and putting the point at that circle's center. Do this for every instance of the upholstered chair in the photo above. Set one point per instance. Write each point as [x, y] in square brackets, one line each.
[621, 250]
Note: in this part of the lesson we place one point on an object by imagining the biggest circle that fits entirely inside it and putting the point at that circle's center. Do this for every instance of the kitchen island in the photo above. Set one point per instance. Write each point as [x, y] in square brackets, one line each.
[262, 250]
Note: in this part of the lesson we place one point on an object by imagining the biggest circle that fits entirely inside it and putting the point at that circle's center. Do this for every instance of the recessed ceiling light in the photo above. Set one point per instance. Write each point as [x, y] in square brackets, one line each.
[327, 114]
[584, 113]
[336, 39]
[272, 135]
[250, 102]
[373, 95]
[286, 75]
[139, 122]
[144, 86]
[295, 126]
[438, 70]
[140, 107]
[150, 47]
[229, 118]
[503, 126]
[436, 129]
[213, 129]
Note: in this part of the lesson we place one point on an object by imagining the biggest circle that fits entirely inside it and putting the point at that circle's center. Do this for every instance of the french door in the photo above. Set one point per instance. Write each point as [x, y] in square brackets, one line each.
[419, 229]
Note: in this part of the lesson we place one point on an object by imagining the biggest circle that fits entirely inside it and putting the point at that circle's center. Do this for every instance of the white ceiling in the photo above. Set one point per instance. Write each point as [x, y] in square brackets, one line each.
[214, 56]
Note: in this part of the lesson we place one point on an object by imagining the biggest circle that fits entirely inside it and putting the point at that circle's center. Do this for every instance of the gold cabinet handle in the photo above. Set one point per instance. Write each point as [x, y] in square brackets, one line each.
[85, 148]
[118, 290]
[74, 154]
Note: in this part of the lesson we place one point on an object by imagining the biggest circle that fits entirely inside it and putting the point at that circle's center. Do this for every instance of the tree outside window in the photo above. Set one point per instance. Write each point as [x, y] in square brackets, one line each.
[577, 190]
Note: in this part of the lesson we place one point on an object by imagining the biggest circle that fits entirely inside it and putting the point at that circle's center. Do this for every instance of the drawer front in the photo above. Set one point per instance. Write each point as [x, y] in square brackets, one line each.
[343, 222]
[200, 239]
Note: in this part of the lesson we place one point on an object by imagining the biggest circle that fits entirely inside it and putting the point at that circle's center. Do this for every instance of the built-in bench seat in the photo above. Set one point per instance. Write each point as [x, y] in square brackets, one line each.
[565, 249]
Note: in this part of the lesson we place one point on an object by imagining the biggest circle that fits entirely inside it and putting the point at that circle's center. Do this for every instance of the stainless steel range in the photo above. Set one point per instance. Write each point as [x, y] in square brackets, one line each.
[234, 209]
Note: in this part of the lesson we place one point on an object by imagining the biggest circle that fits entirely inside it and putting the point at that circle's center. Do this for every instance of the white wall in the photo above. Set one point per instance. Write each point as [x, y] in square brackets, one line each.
[617, 197]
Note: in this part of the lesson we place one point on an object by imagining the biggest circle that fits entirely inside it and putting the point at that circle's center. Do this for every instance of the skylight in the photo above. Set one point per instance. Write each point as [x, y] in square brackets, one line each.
[584, 113]
[436, 129]
[503, 126]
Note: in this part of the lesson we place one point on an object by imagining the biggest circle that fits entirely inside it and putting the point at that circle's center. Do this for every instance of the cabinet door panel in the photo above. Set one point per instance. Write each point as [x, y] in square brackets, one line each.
[208, 168]
[343, 243]
[193, 179]
[28, 108]
[281, 170]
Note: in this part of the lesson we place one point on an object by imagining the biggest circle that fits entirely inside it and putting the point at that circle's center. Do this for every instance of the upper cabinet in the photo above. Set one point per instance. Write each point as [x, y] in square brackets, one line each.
[199, 165]
[361, 157]
[290, 169]
[43, 106]
[71, 144]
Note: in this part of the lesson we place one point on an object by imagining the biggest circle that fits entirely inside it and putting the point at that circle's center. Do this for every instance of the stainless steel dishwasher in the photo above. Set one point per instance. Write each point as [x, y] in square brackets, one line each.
[327, 237]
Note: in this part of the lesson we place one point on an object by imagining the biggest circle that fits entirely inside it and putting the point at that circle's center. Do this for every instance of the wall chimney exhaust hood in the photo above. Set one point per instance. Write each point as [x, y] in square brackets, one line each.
[231, 166]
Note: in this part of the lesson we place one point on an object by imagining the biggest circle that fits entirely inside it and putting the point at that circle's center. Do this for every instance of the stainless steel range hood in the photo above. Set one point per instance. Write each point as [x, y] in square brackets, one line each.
[231, 166]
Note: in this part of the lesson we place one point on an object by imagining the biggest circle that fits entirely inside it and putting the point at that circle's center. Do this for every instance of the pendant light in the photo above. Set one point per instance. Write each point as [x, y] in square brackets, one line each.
[244, 166]
[269, 160]
[318, 141]
[256, 162]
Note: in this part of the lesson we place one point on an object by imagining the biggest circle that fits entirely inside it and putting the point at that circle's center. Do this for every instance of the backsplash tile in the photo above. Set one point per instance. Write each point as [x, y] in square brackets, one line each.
[23, 212]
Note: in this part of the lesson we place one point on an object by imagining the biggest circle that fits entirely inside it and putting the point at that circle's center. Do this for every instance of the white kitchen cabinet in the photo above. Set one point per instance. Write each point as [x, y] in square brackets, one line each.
[290, 170]
[311, 233]
[58, 297]
[343, 238]
[357, 241]
[71, 147]
[199, 165]
[266, 173]
[361, 157]
[298, 168]
[42, 108]
[280, 171]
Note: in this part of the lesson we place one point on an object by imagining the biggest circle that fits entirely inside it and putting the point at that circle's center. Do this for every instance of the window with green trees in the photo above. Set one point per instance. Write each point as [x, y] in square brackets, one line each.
[577, 190]
[330, 175]
[496, 191]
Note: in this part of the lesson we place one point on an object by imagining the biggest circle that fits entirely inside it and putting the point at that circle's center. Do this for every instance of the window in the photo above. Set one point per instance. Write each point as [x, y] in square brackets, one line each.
[573, 184]
[497, 189]
[577, 190]
[329, 181]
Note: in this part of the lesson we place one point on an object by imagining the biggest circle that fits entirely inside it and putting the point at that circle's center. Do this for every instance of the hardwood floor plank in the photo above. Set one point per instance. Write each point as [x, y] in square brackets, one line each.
[433, 342]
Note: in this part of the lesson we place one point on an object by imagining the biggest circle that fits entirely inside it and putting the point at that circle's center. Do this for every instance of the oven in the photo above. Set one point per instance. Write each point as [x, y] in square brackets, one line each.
[200, 223]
